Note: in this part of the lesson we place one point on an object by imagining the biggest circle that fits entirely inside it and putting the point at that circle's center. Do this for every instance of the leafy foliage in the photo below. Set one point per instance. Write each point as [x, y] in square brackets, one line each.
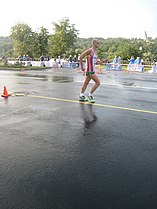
[6, 46]
[40, 43]
[21, 36]
[65, 41]
[62, 41]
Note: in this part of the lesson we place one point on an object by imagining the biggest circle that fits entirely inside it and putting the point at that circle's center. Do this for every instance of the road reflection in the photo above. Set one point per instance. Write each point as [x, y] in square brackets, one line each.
[88, 115]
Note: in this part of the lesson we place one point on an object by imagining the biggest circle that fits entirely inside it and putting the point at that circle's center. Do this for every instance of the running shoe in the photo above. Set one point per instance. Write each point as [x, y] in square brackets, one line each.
[90, 99]
[83, 99]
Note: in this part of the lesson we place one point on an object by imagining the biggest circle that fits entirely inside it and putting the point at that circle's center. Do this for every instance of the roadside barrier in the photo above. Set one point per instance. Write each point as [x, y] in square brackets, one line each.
[128, 67]
[75, 65]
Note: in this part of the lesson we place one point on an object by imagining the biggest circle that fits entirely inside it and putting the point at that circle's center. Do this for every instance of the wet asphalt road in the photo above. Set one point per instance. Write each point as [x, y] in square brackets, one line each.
[58, 154]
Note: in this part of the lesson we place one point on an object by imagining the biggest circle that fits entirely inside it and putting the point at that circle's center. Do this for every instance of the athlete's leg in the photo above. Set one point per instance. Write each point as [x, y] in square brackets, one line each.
[85, 84]
[95, 78]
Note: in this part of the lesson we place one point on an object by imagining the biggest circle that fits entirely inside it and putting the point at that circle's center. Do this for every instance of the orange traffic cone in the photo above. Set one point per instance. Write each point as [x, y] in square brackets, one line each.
[5, 92]
[22, 68]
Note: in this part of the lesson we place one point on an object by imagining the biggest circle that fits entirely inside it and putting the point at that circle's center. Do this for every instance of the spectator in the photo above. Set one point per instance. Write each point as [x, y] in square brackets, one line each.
[47, 58]
[119, 60]
[138, 66]
[42, 64]
[70, 60]
[24, 58]
[142, 61]
[20, 58]
[132, 60]
[75, 61]
[137, 61]
[41, 58]
[115, 60]
[58, 61]
[75, 58]
[115, 63]
[131, 63]
[5, 60]
[78, 60]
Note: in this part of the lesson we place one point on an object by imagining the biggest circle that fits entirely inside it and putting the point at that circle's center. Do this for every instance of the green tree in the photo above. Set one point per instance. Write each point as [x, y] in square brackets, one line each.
[62, 42]
[40, 42]
[129, 50]
[6, 46]
[21, 35]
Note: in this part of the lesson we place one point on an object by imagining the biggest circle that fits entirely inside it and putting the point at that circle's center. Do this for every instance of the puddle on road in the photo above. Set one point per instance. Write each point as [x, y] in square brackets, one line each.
[23, 83]
[62, 79]
[59, 79]
[42, 77]
[128, 84]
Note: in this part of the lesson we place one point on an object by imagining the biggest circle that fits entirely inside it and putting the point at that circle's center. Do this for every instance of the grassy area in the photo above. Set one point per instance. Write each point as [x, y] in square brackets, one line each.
[18, 66]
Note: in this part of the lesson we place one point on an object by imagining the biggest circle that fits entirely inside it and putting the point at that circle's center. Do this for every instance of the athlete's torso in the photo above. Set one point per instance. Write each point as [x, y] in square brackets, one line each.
[91, 61]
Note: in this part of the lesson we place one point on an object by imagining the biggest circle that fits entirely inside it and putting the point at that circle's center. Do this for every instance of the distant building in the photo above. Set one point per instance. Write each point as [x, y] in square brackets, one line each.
[147, 39]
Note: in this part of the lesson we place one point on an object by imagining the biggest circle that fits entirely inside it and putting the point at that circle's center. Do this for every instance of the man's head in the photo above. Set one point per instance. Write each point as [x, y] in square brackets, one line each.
[95, 43]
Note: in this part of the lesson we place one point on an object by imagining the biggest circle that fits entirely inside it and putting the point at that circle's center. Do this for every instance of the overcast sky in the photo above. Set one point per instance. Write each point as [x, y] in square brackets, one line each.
[100, 18]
